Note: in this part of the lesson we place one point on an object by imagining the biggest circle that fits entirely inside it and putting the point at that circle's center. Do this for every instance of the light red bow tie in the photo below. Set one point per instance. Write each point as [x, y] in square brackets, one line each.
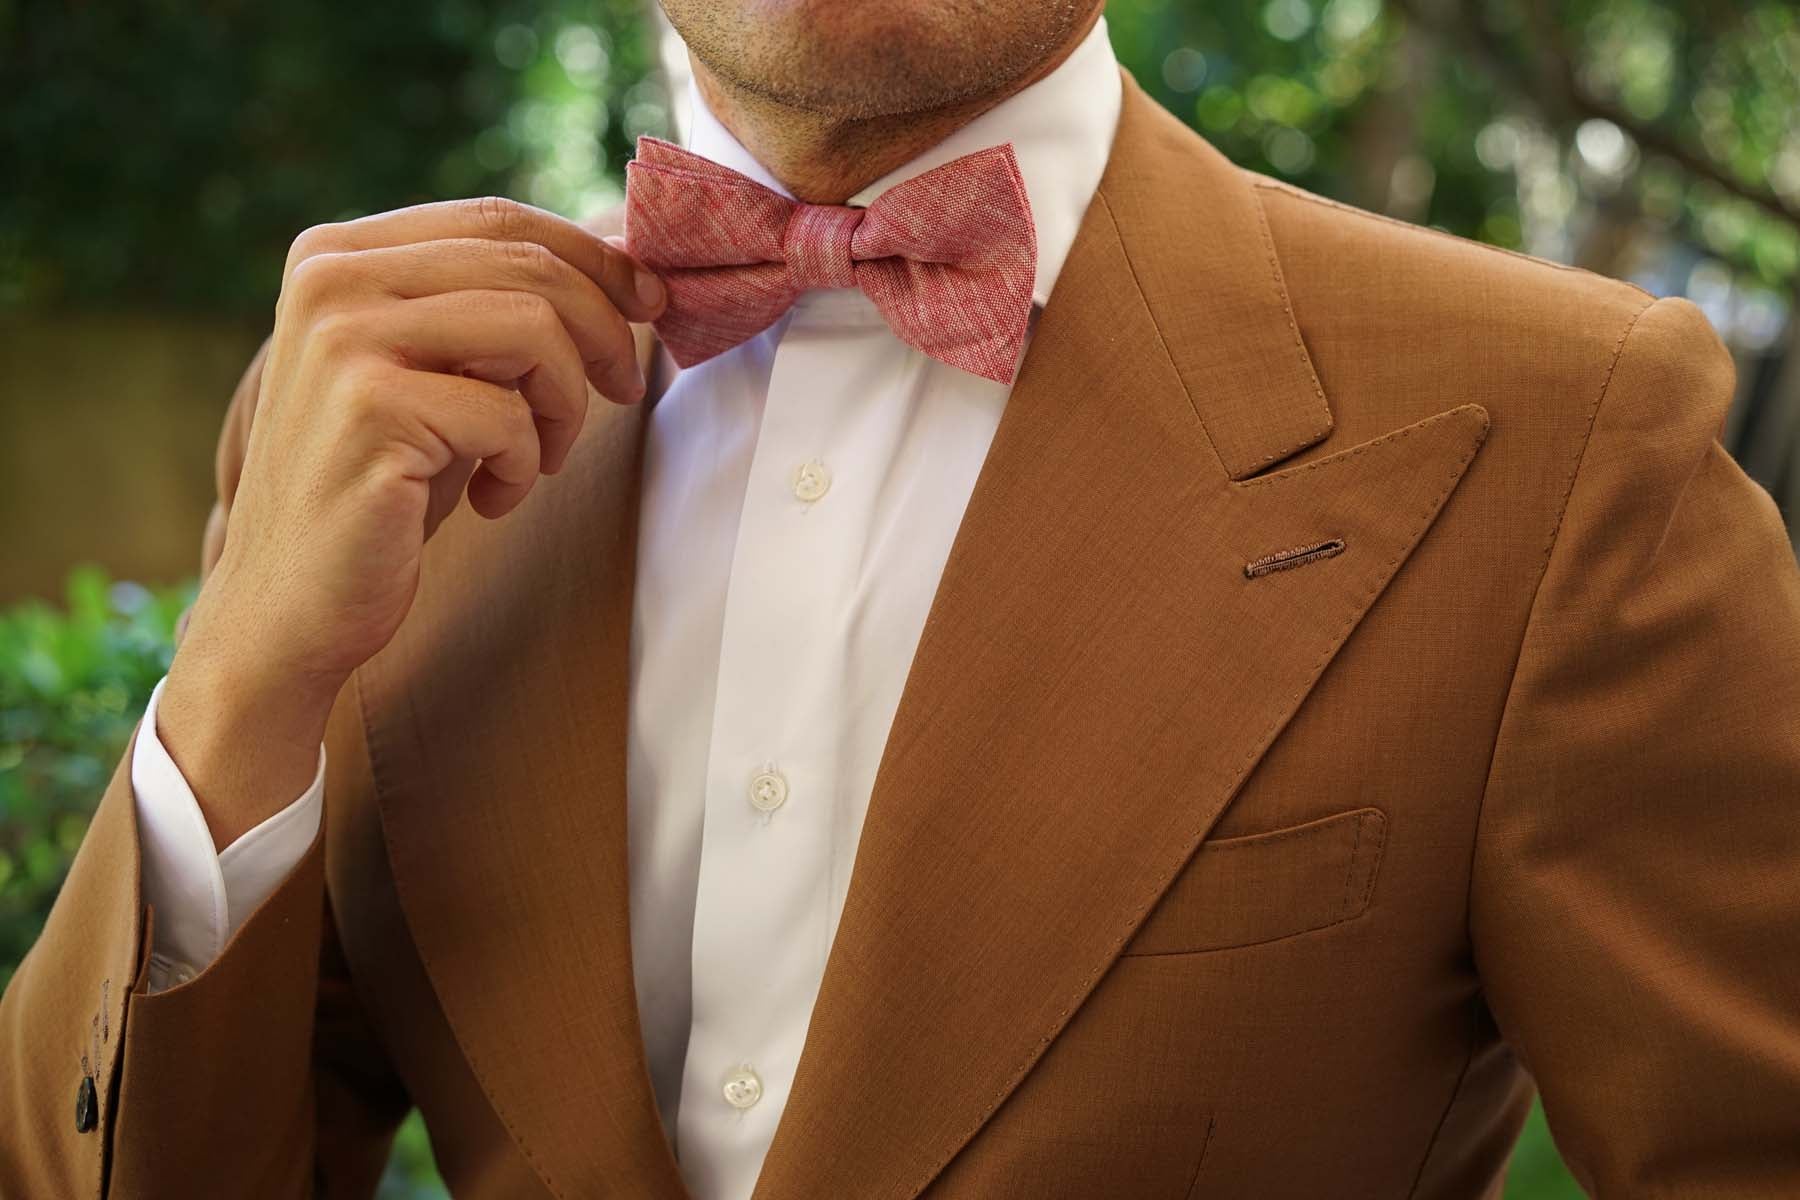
[949, 256]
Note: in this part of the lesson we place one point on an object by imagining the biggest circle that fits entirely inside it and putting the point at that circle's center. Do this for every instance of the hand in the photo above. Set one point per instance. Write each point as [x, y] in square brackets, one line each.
[416, 354]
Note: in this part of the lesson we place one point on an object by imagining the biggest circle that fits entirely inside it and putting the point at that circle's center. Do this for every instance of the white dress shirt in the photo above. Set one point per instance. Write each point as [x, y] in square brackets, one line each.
[800, 496]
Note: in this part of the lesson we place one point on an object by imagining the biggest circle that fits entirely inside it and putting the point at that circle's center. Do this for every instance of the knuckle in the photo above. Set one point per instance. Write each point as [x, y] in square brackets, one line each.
[359, 403]
[532, 309]
[317, 276]
[361, 393]
[317, 239]
[497, 217]
[334, 331]
[530, 260]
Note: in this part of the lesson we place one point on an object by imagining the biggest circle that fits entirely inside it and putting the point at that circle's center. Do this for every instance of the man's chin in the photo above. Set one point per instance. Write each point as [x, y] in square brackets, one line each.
[858, 61]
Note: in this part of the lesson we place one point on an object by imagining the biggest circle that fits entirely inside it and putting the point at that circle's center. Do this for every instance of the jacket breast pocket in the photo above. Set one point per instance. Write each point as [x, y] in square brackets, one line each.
[1261, 887]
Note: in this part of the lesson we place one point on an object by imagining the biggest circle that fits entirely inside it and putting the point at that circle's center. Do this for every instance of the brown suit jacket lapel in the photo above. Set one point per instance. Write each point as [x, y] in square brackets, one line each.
[1096, 679]
[1098, 675]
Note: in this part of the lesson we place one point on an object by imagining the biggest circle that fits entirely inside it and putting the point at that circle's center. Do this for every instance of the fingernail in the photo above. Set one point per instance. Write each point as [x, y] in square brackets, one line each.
[649, 289]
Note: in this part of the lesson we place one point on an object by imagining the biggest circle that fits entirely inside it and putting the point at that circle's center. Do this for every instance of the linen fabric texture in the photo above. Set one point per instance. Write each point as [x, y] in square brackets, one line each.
[948, 256]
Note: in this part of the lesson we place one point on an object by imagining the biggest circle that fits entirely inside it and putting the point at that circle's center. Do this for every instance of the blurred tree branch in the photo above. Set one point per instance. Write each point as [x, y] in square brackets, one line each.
[1553, 86]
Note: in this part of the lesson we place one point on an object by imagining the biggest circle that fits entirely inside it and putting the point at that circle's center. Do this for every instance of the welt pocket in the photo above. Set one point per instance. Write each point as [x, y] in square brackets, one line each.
[1241, 891]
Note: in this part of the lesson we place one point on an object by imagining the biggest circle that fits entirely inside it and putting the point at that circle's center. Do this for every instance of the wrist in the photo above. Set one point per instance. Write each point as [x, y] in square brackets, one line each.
[244, 734]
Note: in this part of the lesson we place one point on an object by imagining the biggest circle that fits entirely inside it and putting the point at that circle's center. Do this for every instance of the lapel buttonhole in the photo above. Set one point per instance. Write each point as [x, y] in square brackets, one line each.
[1297, 556]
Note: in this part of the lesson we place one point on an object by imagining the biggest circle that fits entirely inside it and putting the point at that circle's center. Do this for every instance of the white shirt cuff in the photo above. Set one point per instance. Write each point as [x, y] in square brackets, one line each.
[201, 896]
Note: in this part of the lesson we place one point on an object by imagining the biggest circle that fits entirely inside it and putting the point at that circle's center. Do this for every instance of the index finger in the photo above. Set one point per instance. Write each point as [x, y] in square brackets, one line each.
[634, 290]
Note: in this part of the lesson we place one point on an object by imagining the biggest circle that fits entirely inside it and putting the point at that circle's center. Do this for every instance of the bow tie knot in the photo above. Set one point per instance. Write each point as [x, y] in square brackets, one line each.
[949, 257]
[817, 244]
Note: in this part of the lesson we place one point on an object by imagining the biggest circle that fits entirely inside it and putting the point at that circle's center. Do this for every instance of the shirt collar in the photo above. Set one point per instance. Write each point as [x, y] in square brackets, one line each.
[1061, 130]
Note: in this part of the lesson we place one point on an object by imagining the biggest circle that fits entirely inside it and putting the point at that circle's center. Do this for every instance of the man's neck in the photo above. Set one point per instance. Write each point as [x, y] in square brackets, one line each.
[825, 160]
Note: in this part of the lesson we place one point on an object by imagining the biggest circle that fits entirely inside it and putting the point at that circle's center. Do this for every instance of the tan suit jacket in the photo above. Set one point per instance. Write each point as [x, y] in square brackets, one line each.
[1182, 876]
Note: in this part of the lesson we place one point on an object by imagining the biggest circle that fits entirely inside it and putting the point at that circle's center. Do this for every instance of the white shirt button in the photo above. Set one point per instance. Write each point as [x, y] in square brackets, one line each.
[811, 480]
[768, 790]
[743, 1088]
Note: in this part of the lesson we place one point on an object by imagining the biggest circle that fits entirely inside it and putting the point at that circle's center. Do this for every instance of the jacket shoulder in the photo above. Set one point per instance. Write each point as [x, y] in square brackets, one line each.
[1402, 320]
[1368, 250]
[1304, 220]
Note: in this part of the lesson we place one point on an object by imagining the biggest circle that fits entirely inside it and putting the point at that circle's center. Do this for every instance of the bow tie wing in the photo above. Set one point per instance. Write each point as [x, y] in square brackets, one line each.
[714, 238]
[950, 259]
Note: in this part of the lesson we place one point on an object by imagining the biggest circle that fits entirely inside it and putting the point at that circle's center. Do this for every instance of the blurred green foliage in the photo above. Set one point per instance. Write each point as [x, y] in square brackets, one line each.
[165, 153]
[1537, 1171]
[72, 684]
[1519, 122]
[411, 1172]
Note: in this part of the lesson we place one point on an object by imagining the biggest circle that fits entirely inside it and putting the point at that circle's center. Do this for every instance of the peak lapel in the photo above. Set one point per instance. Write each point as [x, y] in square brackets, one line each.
[497, 730]
[1098, 674]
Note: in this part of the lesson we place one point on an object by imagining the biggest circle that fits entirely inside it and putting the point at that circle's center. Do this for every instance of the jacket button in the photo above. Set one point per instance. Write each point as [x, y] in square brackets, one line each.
[87, 1105]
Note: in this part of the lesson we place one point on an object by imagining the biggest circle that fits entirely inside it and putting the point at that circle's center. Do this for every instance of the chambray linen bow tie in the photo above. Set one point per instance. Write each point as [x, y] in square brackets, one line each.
[949, 257]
